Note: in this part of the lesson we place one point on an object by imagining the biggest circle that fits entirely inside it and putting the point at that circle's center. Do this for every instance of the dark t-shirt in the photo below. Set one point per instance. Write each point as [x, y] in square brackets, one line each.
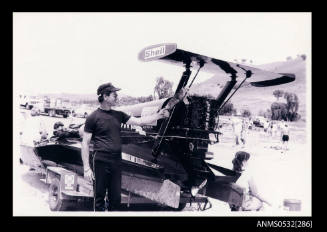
[105, 127]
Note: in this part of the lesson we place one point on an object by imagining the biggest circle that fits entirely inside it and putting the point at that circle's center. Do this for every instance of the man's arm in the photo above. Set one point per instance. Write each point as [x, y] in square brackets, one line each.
[85, 155]
[148, 119]
[254, 191]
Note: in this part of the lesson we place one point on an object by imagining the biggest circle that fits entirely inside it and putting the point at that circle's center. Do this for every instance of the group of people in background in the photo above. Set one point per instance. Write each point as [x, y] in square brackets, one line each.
[241, 126]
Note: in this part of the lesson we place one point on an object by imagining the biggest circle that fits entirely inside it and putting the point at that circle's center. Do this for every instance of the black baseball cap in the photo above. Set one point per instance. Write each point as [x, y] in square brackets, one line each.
[106, 87]
[57, 125]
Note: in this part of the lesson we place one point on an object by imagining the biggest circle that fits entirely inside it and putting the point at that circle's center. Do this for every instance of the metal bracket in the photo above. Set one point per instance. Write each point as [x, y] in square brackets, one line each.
[204, 206]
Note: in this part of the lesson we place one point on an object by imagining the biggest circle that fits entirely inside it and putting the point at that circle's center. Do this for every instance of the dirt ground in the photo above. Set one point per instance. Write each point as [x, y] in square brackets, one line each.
[278, 175]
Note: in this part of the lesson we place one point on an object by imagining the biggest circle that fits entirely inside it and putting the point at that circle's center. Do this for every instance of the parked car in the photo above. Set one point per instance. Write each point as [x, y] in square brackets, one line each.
[259, 121]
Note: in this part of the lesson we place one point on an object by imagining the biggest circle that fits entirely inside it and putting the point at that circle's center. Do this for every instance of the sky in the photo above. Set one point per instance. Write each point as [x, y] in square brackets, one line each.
[76, 52]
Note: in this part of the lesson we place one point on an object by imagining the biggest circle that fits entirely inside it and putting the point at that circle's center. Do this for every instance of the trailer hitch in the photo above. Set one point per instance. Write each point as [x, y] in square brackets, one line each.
[207, 204]
[204, 206]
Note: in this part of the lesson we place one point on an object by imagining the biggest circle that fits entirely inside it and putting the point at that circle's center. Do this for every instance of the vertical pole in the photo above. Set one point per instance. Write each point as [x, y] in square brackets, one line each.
[173, 101]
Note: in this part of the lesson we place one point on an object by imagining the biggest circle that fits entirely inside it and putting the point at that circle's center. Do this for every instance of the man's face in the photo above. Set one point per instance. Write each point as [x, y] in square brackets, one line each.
[111, 99]
[244, 165]
[60, 128]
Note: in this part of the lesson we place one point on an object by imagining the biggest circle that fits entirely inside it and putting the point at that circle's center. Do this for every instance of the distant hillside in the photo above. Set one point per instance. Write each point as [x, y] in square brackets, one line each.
[256, 99]
[71, 97]
[76, 97]
[92, 99]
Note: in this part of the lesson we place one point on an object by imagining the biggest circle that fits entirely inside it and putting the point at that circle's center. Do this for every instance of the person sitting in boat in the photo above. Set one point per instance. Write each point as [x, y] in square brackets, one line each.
[63, 133]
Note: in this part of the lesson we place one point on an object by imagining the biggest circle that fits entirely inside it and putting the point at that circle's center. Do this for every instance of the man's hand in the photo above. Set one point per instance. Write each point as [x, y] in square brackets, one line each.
[163, 113]
[182, 93]
[88, 175]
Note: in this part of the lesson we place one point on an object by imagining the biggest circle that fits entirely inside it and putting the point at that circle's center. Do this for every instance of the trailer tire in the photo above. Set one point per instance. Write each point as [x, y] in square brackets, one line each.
[55, 201]
[181, 206]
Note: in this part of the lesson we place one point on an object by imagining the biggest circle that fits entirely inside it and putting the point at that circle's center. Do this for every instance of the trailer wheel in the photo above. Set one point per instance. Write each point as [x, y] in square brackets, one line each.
[181, 206]
[55, 202]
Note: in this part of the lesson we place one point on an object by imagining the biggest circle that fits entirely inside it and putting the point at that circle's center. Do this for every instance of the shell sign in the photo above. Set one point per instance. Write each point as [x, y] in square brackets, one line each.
[157, 51]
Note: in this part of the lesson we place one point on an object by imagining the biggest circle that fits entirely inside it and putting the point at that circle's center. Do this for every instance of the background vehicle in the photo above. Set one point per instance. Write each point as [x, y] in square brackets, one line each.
[37, 109]
[54, 107]
[259, 121]
[28, 102]
[81, 112]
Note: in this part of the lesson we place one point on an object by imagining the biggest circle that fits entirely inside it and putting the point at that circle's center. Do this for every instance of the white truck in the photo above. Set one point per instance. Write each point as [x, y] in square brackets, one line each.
[53, 107]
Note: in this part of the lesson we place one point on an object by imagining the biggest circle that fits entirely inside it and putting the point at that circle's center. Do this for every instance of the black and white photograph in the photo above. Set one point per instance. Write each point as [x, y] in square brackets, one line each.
[203, 114]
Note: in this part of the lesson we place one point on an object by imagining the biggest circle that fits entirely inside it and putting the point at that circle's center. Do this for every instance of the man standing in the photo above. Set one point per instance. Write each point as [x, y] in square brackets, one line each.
[237, 128]
[265, 125]
[244, 131]
[285, 133]
[103, 127]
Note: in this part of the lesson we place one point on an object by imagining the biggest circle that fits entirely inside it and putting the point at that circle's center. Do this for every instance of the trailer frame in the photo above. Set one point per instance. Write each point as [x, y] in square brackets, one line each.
[67, 189]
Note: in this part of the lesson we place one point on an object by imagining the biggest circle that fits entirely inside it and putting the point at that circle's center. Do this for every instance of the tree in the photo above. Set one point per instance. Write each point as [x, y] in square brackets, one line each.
[246, 113]
[278, 93]
[145, 99]
[278, 111]
[163, 88]
[292, 106]
[228, 109]
[286, 111]
[269, 113]
[128, 100]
